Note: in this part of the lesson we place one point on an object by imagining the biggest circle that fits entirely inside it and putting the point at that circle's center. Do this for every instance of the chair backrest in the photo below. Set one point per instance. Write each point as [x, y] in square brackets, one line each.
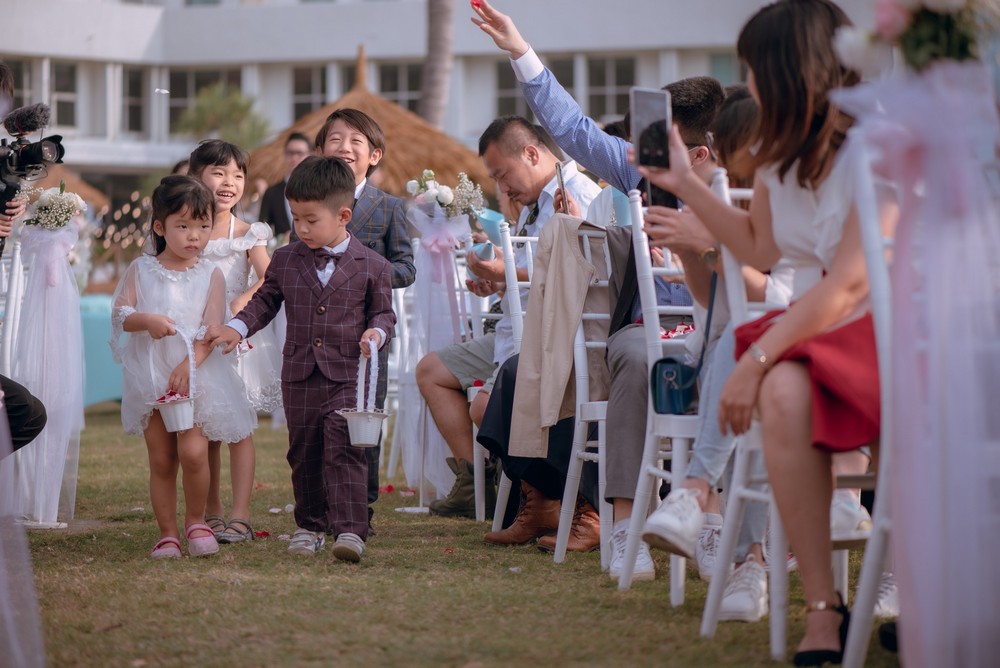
[525, 245]
[593, 243]
[645, 273]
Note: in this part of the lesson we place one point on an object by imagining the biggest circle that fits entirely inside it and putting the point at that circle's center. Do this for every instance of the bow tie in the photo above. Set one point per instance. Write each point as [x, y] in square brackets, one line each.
[322, 256]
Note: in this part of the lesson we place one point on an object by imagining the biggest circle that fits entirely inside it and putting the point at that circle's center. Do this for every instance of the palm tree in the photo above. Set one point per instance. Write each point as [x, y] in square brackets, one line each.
[437, 66]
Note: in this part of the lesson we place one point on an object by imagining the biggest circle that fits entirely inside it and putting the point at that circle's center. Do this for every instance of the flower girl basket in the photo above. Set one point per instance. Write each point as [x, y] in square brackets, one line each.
[177, 410]
[365, 425]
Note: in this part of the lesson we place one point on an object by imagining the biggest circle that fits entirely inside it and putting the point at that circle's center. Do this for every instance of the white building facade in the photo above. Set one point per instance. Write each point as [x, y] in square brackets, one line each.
[119, 73]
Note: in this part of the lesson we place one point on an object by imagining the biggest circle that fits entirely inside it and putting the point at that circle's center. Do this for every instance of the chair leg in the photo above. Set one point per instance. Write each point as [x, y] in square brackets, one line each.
[876, 554]
[678, 565]
[605, 511]
[479, 476]
[503, 496]
[640, 505]
[735, 510]
[778, 571]
[840, 574]
[573, 474]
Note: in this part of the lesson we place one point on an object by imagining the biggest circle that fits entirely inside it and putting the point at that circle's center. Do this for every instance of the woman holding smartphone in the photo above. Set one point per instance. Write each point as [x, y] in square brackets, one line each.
[811, 370]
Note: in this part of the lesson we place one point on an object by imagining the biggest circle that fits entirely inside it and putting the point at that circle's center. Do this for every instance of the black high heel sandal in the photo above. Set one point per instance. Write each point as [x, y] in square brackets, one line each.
[820, 657]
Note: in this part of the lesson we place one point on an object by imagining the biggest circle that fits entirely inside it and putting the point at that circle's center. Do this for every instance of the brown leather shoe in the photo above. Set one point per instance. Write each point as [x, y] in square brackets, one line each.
[536, 517]
[584, 534]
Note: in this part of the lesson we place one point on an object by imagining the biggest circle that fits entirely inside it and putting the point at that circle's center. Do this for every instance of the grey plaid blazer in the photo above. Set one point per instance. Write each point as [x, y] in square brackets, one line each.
[379, 222]
[325, 324]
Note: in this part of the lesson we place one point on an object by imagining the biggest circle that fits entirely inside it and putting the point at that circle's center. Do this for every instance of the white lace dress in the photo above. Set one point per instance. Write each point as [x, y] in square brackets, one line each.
[259, 363]
[194, 299]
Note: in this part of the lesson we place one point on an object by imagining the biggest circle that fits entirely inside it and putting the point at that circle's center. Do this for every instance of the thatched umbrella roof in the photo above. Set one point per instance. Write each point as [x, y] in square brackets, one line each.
[413, 144]
[94, 198]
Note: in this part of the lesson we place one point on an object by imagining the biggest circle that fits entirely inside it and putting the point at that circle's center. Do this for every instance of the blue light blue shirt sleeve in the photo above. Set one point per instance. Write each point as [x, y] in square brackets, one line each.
[574, 132]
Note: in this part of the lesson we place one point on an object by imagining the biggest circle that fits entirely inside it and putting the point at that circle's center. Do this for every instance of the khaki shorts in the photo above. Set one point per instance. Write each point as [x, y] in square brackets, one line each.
[471, 361]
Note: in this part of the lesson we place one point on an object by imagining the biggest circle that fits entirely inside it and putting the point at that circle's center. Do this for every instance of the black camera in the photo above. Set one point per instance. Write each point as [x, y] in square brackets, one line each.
[24, 160]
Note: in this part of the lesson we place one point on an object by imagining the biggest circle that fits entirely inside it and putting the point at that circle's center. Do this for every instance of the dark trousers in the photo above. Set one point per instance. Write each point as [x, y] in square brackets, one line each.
[328, 474]
[374, 454]
[25, 412]
[548, 474]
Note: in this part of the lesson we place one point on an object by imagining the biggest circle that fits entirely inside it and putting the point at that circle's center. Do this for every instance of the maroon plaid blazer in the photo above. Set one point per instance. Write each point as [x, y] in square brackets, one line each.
[325, 324]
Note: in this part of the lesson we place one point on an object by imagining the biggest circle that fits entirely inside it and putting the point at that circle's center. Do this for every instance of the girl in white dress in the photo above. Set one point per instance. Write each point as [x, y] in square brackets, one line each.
[240, 251]
[163, 298]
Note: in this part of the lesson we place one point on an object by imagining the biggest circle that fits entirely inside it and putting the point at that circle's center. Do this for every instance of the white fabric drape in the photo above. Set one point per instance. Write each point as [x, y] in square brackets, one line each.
[935, 135]
[48, 360]
[436, 323]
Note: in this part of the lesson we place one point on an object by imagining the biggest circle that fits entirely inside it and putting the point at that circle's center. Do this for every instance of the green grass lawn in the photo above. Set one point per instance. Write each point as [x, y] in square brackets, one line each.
[428, 592]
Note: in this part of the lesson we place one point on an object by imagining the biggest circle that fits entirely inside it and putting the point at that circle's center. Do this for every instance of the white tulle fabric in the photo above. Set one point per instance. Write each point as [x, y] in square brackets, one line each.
[936, 135]
[437, 322]
[49, 362]
[194, 299]
[20, 629]
[259, 363]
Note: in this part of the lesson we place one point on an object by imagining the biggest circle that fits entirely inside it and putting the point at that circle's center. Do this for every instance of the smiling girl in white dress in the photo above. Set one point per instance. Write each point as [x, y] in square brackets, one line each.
[240, 251]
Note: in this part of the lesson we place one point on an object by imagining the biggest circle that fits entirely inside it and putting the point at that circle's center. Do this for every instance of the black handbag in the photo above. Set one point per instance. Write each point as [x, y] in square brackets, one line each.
[674, 383]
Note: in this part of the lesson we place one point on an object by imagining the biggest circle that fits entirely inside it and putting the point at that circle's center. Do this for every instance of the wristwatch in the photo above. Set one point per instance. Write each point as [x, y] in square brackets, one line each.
[710, 256]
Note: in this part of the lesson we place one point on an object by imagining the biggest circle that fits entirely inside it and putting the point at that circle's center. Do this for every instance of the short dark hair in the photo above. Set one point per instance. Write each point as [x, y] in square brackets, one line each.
[617, 129]
[321, 179]
[180, 164]
[732, 132]
[513, 133]
[211, 152]
[297, 136]
[694, 103]
[174, 193]
[360, 121]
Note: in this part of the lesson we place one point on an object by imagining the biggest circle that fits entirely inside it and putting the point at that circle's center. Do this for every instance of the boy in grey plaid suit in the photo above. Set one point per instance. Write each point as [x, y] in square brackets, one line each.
[338, 296]
[379, 222]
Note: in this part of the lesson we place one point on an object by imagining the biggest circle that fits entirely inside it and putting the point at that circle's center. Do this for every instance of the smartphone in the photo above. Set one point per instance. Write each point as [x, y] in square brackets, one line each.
[649, 109]
[562, 187]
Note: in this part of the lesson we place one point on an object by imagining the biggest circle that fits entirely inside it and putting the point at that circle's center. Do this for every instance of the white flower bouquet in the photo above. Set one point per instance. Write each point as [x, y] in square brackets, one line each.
[465, 198]
[55, 207]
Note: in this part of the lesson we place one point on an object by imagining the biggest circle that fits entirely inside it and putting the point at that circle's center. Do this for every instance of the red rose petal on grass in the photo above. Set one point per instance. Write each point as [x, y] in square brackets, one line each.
[390, 489]
[448, 550]
[261, 534]
[258, 485]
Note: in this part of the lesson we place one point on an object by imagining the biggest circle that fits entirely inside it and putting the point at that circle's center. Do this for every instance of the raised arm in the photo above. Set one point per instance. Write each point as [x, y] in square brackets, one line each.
[556, 110]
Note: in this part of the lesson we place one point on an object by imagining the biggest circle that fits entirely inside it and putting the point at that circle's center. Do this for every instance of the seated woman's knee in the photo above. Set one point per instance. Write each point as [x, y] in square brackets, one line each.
[785, 391]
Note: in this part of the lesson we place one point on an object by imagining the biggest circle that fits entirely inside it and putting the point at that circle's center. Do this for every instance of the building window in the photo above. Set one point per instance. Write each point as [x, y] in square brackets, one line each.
[510, 102]
[186, 84]
[192, 3]
[727, 68]
[608, 84]
[133, 104]
[400, 82]
[64, 94]
[308, 90]
[21, 69]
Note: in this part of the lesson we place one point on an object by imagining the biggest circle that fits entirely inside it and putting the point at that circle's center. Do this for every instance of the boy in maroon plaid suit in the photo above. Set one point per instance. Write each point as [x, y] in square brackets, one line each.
[338, 297]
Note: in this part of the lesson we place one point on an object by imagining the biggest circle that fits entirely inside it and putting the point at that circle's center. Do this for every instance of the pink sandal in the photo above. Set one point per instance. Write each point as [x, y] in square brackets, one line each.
[201, 546]
[167, 548]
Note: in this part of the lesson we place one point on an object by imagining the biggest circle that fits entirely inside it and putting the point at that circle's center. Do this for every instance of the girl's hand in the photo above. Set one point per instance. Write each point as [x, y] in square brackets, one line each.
[571, 207]
[675, 178]
[159, 326]
[370, 335]
[499, 27]
[677, 230]
[739, 396]
[180, 378]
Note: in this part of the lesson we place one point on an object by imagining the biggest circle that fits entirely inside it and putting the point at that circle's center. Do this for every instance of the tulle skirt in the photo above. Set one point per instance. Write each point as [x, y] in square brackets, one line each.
[259, 365]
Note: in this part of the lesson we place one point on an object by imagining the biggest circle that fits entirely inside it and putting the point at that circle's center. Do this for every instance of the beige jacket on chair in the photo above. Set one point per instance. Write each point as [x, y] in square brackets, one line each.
[560, 294]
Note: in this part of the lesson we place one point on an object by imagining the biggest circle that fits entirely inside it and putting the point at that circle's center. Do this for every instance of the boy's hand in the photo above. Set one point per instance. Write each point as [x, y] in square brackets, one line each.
[223, 335]
[159, 326]
[500, 27]
[370, 335]
[180, 378]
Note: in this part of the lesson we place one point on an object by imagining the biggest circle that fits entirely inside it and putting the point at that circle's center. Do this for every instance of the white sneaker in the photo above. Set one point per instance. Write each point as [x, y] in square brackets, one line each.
[306, 542]
[887, 602]
[849, 520]
[348, 547]
[707, 546]
[745, 596]
[675, 525]
[644, 568]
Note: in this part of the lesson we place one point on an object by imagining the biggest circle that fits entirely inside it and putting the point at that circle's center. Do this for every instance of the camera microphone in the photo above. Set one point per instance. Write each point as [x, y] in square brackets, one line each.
[26, 120]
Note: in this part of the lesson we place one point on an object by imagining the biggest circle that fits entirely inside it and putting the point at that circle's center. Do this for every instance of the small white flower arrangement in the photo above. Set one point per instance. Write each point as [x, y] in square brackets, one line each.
[465, 198]
[55, 207]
